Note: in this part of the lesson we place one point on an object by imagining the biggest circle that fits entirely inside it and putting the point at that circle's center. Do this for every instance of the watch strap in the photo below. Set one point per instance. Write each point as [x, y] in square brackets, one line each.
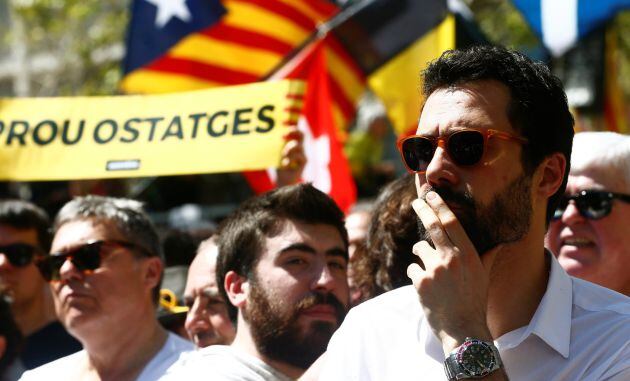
[451, 367]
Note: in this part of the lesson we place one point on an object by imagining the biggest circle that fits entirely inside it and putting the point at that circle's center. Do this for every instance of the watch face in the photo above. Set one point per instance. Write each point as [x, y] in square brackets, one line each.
[476, 357]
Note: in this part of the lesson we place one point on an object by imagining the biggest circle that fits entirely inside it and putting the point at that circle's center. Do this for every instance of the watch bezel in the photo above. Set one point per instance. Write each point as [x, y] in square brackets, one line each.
[468, 345]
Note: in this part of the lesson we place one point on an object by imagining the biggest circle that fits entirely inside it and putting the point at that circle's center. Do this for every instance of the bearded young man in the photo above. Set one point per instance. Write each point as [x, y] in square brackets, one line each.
[282, 265]
[491, 159]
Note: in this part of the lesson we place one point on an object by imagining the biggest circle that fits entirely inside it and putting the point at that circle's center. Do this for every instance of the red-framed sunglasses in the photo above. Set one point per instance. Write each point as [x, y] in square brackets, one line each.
[464, 146]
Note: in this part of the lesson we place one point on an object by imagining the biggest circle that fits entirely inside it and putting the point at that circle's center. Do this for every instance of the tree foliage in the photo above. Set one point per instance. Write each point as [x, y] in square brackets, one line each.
[81, 42]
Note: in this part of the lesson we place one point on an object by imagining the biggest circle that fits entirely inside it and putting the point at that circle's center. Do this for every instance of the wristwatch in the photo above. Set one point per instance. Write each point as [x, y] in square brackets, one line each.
[473, 359]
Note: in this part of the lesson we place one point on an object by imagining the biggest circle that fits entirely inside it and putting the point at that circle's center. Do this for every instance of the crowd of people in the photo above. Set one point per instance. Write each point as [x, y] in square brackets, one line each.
[502, 254]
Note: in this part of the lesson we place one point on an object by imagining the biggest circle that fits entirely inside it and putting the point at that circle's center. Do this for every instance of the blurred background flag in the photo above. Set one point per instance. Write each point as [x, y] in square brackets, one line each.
[392, 41]
[615, 116]
[560, 24]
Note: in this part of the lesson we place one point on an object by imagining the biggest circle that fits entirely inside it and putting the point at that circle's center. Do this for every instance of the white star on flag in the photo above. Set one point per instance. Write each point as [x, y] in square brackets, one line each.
[167, 9]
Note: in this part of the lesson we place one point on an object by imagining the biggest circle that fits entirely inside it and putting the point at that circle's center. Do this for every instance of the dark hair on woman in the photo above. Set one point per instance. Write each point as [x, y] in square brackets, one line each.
[538, 106]
[382, 264]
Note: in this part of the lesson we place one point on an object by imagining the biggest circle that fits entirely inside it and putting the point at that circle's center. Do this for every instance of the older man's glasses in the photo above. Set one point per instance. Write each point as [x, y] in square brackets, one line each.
[19, 254]
[464, 146]
[592, 204]
[86, 258]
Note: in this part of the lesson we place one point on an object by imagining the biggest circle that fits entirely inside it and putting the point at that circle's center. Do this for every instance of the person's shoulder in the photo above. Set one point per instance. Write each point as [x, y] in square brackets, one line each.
[178, 344]
[54, 370]
[215, 351]
[599, 311]
[597, 299]
[401, 302]
[221, 362]
[214, 356]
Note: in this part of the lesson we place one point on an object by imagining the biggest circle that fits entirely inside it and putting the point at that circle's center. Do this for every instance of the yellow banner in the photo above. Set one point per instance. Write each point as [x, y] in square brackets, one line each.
[208, 131]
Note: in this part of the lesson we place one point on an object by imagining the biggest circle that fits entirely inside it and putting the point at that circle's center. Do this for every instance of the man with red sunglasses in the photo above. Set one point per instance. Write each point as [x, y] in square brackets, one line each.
[491, 159]
[589, 232]
[105, 272]
[25, 235]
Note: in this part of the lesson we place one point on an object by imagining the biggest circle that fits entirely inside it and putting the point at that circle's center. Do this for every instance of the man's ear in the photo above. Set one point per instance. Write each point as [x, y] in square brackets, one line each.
[237, 288]
[153, 271]
[549, 175]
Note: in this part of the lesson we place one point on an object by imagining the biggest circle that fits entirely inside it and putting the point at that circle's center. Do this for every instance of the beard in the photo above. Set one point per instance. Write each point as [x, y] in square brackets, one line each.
[277, 333]
[505, 219]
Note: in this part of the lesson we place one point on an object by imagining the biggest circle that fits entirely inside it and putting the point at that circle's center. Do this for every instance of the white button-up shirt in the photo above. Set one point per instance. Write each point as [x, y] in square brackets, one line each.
[580, 331]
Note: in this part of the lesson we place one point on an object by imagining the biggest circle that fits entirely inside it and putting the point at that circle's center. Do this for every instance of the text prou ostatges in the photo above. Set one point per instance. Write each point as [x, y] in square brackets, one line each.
[242, 121]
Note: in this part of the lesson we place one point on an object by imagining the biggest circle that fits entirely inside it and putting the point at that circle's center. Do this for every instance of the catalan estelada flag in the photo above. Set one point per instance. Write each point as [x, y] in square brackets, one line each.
[176, 45]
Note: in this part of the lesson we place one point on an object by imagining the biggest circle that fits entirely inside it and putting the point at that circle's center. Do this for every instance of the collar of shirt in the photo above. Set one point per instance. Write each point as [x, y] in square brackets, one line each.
[552, 320]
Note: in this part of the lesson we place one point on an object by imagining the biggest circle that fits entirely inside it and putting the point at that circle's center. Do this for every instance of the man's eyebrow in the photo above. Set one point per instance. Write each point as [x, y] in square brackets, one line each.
[338, 252]
[300, 246]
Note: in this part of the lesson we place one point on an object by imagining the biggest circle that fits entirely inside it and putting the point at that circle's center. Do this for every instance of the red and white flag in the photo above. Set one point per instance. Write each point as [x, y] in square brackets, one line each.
[327, 167]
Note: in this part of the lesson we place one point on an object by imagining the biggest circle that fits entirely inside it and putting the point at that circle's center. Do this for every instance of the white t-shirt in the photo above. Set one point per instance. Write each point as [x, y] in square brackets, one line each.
[224, 363]
[160, 365]
[580, 331]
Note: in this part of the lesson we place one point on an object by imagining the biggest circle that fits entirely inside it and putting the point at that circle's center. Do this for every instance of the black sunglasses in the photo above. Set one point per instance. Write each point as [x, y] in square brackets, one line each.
[86, 258]
[592, 204]
[19, 254]
[465, 146]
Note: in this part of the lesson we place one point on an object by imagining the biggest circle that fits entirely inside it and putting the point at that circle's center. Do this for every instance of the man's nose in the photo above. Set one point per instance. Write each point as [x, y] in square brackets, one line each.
[196, 317]
[325, 281]
[69, 271]
[571, 214]
[4, 261]
[440, 170]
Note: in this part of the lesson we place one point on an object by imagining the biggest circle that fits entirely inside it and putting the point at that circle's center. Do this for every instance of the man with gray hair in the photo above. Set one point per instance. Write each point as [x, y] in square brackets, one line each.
[589, 231]
[105, 271]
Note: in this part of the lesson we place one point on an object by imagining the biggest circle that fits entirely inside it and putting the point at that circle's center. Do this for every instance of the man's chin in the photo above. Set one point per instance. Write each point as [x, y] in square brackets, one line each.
[577, 264]
[203, 340]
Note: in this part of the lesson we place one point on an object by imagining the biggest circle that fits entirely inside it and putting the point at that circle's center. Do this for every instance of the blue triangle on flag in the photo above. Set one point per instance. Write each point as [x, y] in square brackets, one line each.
[146, 41]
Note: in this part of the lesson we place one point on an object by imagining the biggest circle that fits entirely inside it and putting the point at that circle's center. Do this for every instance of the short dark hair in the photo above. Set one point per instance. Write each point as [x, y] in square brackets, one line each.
[242, 235]
[538, 107]
[127, 215]
[24, 215]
